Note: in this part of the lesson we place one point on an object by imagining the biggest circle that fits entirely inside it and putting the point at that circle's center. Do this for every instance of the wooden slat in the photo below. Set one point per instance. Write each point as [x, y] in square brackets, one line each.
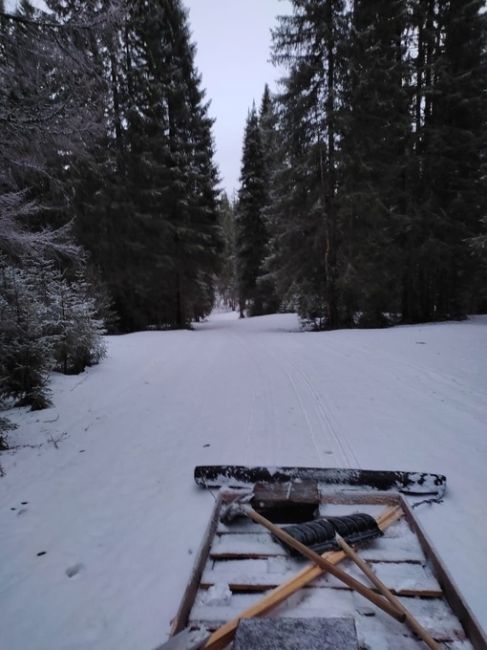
[263, 574]
[474, 631]
[238, 526]
[271, 494]
[245, 545]
[375, 629]
[434, 614]
[340, 604]
[403, 547]
[179, 621]
[350, 496]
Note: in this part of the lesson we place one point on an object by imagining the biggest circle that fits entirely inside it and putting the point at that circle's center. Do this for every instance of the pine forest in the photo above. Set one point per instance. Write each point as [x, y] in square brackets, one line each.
[362, 199]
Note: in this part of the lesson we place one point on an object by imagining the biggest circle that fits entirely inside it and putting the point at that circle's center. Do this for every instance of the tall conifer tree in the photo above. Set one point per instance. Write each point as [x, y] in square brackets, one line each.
[306, 209]
[268, 135]
[446, 184]
[250, 225]
[375, 125]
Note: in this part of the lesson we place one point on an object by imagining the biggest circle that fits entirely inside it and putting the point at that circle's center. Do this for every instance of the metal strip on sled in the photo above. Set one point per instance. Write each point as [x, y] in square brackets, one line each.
[412, 483]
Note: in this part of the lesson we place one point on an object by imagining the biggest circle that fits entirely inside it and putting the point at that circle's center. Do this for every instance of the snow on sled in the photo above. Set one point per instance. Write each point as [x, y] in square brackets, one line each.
[414, 483]
[244, 573]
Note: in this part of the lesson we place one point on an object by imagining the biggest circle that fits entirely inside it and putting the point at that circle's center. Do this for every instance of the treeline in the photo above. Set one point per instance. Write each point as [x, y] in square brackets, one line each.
[109, 206]
[136, 175]
[363, 188]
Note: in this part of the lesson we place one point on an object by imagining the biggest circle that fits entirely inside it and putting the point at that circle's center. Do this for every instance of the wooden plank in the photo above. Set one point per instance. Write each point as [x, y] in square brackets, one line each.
[406, 579]
[434, 614]
[375, 629]
[179, 621]
[472, 627]
[263, 574]
[266, 494]
[238, 526]
[340, 604]
[351, 496]
[224, 635]
[245, 545]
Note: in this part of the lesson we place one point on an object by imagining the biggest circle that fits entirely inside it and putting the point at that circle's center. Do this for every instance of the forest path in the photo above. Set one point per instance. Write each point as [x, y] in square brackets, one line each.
[107, 481]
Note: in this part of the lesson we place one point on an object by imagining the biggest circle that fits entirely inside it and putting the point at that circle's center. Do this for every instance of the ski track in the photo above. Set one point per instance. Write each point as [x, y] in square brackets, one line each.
[292, 372]
[115, 498]
[329, 421]
[451, 386]
[305, 415]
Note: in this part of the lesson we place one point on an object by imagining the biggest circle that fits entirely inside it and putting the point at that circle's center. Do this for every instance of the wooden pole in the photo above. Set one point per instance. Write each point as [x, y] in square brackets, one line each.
[323, 563]
[224, 634]
[385, 591]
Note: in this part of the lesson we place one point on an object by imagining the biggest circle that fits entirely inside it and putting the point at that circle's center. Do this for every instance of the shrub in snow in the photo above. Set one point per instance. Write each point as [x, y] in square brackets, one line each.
[25, 349]
[46, 322]
[79, 341]
[311, 309]
[5, 425]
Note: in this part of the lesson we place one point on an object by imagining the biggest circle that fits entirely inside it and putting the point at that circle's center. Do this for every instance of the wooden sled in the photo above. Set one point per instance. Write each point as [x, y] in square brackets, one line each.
[241, 572]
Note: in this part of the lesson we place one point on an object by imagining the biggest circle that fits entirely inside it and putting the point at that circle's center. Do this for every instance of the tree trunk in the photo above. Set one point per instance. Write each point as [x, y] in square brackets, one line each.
[330, 199]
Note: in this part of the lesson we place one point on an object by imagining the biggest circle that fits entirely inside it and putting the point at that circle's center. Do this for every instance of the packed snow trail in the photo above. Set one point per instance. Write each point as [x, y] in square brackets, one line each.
[101, 484]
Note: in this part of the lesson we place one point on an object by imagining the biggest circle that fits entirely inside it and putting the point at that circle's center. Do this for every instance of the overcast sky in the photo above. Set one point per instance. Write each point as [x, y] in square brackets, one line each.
[233, 50]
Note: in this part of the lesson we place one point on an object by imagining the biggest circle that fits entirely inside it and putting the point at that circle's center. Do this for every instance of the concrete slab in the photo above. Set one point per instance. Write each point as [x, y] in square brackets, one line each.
[296, 634]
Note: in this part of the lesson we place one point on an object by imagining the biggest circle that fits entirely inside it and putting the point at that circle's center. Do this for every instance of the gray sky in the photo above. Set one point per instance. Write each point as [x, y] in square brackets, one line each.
[233, 49]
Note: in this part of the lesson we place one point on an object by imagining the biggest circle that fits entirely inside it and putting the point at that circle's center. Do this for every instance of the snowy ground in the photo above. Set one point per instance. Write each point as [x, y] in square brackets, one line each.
[102, 482]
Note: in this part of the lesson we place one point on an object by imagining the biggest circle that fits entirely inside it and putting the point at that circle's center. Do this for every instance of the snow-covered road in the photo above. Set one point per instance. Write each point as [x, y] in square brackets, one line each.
[103, 482]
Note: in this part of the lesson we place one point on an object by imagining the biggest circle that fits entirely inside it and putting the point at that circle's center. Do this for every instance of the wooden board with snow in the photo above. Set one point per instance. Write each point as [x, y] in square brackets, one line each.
[241, 564]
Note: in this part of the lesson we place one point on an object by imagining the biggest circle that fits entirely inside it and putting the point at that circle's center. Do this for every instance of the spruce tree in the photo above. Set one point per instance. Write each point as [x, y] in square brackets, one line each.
[251, 231]
[379, 185]
[227, 276]
[160, 241]
[45, 123]
[75, 325]
[374, 125]
[38, 117]
[25, 348]
[446, 184]
[268, 133]
[460, 184]
[305, 210]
